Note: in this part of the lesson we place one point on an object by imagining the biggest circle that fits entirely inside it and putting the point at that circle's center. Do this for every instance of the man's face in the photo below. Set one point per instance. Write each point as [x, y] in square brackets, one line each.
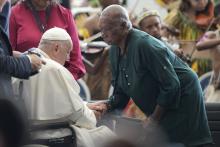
[2, 3]
[111, 32]
[152, 25]
[62, 54]
[198, 5]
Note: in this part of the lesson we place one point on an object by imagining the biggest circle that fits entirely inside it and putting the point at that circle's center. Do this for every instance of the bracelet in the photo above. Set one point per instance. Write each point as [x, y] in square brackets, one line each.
[109, 105]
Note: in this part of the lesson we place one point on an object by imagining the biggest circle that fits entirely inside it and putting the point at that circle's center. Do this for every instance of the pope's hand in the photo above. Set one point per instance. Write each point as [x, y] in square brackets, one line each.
[98, 106]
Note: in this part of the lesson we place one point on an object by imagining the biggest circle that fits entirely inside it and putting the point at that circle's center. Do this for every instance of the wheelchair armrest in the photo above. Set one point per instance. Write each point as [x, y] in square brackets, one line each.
[212, 106]
[50, 126]
[64, 139]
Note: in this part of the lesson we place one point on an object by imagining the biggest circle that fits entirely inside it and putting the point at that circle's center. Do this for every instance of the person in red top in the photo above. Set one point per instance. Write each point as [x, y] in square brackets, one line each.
[31, 18]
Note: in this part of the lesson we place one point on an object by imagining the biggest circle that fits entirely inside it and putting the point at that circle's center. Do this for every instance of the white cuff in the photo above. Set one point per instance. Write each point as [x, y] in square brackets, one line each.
[29, 58]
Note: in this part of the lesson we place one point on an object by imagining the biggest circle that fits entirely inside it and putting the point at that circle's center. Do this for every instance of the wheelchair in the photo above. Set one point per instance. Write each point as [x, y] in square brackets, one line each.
[213, 114]
[66, 140]
[205, 79]
[84, 90]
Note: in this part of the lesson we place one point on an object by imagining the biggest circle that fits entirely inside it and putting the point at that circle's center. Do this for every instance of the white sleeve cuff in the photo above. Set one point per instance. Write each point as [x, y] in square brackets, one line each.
[29, 58]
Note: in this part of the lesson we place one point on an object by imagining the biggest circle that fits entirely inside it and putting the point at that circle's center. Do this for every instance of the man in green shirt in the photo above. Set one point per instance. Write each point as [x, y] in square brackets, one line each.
[160, 83]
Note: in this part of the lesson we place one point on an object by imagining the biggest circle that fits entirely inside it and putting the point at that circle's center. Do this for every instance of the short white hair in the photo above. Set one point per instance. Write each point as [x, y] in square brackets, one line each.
[120, 14]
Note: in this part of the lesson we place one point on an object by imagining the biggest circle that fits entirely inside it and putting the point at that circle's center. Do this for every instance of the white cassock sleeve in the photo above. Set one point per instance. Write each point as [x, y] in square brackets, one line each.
[53, 94]
[82, 115]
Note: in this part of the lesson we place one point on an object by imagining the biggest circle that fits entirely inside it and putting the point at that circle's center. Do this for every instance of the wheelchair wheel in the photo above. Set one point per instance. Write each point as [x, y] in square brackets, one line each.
[204, 80]
[84, 90]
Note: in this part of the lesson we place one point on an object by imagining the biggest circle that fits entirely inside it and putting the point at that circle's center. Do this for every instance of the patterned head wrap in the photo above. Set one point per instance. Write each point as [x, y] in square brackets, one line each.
[146, 13]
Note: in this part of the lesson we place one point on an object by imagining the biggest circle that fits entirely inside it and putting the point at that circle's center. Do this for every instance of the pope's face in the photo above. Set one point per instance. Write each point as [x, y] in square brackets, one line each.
[63, 53]
[2, 3]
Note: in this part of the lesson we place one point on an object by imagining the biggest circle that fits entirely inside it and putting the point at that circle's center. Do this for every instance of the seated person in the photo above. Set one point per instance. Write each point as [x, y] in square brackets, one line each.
[211, 41]
[53, 95]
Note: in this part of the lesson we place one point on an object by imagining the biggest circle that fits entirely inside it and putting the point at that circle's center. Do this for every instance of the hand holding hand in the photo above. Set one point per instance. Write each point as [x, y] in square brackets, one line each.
[98, 114]
[98, 106]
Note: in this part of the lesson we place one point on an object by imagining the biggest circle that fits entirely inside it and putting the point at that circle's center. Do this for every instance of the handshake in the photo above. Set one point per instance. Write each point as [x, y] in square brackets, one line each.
[99, 108]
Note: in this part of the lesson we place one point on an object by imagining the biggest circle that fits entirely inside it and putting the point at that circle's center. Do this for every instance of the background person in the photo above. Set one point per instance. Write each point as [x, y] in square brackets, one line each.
[31, 18]
[211, 41]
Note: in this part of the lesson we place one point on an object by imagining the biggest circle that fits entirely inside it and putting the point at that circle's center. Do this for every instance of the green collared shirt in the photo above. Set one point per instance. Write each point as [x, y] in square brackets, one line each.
[151, 74]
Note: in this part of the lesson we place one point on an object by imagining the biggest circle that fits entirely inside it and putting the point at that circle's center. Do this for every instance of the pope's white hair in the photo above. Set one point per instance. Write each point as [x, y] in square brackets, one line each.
[47, 45]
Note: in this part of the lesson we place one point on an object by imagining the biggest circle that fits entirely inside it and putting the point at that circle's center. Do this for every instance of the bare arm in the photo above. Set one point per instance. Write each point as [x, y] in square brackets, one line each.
[209, 41]
[91, 20]
[208, 44]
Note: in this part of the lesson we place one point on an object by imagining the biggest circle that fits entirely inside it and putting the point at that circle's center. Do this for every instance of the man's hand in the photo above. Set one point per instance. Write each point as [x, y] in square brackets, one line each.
[36, 62]
[149, 122]
[98, 106]
[178, 52]
[98, 114]
[155, 117]
[17, 53]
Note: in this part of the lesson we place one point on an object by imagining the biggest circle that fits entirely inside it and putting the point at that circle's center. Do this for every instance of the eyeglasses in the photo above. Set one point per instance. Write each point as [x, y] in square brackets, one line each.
[109, 30]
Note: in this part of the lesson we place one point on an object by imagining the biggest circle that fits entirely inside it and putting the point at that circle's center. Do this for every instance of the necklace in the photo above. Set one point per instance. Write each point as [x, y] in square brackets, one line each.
[42, 27]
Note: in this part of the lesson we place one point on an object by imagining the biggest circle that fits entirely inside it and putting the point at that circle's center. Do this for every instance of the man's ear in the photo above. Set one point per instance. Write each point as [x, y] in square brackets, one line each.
[123, 24]
[56, 46]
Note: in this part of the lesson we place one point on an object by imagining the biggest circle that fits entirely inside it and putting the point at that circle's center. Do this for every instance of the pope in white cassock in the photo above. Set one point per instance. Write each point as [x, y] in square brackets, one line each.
[53, 94]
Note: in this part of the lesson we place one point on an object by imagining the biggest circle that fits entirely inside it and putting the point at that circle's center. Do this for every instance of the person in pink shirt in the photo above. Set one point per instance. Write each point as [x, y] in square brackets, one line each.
[31, 18]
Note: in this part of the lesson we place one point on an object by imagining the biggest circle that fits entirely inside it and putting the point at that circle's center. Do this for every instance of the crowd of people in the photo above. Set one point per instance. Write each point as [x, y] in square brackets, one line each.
[147, 60]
